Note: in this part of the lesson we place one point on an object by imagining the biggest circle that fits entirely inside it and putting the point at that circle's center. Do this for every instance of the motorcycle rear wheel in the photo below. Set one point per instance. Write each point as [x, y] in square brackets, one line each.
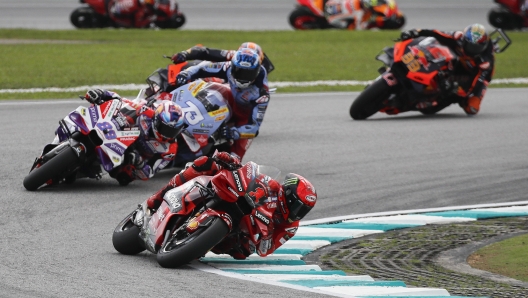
[370, 100]
[52, 169]
[178, 252]
[126, 237]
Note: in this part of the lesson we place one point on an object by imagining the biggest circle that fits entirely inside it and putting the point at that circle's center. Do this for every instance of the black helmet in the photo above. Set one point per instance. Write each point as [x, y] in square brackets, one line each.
[300, 196]
[475, 39]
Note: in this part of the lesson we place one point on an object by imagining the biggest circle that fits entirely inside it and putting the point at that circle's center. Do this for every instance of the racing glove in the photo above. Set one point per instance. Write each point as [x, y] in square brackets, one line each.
[227, 158]
[409, 34]
[182, 78]
[98, 96]
[230, 133]
[135, 159]
[179, 57]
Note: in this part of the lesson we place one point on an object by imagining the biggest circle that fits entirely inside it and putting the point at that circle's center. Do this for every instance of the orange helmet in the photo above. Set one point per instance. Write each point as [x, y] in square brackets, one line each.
[253, 46]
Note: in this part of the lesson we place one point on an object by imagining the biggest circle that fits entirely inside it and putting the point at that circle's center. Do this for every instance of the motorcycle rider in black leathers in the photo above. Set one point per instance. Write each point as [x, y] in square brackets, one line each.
[474, 69]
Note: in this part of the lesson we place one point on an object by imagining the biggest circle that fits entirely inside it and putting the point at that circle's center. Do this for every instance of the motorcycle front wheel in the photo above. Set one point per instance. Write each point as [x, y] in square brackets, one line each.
[179, 251]
[53, 168]
[175, 22]
[370, 100]
[83, 17]
[126, 237]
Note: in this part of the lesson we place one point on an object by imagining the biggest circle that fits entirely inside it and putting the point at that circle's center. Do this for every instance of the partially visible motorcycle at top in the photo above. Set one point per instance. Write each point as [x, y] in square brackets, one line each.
[507, 15]
[98, 14]
[309, 14]
[194, 218]
[418, 75]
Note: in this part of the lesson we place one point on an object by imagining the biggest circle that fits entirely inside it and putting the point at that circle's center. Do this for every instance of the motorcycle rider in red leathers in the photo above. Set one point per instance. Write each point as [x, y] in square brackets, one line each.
[475, 66]
[156, 147]
[289, 202]
[248, 81]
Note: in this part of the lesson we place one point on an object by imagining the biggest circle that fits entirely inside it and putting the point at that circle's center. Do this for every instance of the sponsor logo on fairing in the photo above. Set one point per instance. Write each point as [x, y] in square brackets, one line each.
[262, 217]
[127, 139]
[237, 181]
[232, 191]
[174, 201]
[291, 230]
[282, 207]
[249, 171]
[116, 148]
[200, 131]
[228, 218]
[256, 195]
[93, 115]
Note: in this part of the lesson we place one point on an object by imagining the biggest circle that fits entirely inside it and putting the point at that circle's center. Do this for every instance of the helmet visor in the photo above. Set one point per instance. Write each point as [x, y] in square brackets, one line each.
[168, 132]
[298, 210]
[473, 49]
[245, 75]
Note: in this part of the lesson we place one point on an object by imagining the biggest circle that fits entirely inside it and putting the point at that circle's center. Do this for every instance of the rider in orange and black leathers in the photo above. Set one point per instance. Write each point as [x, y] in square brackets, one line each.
[475, 67]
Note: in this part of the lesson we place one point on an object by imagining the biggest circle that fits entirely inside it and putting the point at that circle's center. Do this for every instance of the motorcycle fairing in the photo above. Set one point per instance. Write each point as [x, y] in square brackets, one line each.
[98, 5]
[98, 120]
[173, 70]
[315, 6]
[399, 49]
[423, 58]
[205, 108]
[205, 218]
[179, 201]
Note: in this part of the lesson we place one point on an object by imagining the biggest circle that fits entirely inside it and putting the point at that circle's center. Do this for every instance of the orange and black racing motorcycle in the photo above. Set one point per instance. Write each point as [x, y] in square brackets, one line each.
[418, 75]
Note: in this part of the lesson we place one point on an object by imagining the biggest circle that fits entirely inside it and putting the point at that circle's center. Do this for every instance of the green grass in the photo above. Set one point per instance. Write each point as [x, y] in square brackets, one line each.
[508, 258]
[90, 57]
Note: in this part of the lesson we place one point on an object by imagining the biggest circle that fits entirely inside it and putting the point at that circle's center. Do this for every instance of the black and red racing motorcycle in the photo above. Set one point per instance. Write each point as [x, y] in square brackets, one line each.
[97, 14]
[200, 214]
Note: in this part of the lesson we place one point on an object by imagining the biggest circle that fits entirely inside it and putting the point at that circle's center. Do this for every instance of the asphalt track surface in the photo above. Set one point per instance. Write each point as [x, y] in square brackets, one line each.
[57, 242]
[247, 14]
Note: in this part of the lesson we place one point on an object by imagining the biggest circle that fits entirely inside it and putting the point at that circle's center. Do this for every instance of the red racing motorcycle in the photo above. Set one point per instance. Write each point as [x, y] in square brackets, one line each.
[418, 75]
[233, 208]
[97, 14]
[507, 15]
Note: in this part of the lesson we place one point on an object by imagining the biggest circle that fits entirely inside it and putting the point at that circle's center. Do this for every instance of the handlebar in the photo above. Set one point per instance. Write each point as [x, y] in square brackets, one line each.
[225, 165]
